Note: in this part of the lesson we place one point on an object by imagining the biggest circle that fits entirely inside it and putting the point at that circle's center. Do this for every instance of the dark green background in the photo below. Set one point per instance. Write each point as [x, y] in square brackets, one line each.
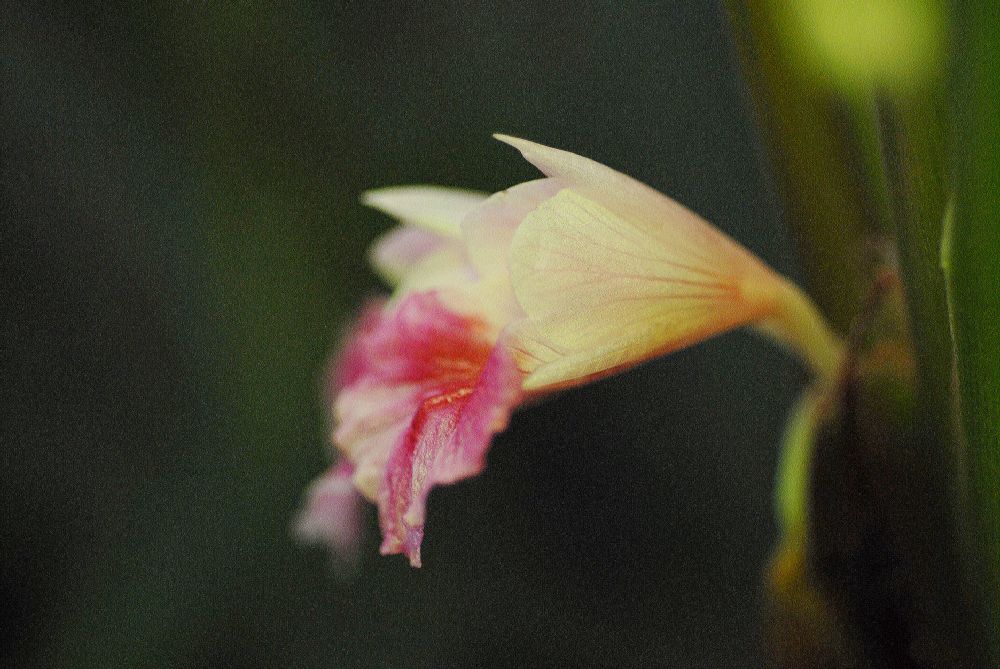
[181, 244]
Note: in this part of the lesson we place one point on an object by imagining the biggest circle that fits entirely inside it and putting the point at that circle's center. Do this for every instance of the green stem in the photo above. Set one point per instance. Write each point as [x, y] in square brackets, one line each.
[798, 324]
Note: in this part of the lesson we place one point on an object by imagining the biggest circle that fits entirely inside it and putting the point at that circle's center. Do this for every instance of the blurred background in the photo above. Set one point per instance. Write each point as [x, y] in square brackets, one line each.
[182, 243]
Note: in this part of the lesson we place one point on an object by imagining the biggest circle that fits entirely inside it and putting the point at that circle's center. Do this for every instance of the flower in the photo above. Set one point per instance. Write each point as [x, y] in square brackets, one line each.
[549, 284]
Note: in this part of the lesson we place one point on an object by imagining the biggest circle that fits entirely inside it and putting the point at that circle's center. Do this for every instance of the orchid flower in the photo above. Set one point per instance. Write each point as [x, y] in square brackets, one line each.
[549, 284]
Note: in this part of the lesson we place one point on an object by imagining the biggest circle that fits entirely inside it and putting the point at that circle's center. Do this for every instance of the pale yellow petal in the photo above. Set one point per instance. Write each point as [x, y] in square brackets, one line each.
[435, 208]
[646, 209]
[601, 292]
[549, 367]
[488, 229]
[448, 272]
[447, 266]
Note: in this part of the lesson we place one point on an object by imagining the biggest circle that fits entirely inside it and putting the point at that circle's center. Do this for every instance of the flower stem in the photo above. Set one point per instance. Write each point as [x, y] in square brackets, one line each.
[797, 323]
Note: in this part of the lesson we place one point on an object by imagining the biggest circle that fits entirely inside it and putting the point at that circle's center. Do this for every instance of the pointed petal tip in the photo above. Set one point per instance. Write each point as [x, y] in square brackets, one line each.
[387, 198]
[422, 189]
[439, 209]
[392, 545]
[521, 145]
[375, 197]
[414, 557]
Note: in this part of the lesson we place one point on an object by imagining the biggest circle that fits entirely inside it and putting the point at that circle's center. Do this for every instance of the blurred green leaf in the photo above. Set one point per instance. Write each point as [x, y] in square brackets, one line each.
[972, 263]
[864, 45]
[914, 132]
[831, 203]
[853, 102]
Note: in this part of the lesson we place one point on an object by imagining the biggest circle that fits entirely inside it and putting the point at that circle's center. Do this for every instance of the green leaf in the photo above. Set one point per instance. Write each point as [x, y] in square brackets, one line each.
[808, 134]
[972, 263]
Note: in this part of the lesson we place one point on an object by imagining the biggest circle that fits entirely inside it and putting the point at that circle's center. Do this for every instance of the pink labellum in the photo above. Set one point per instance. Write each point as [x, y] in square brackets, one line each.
[424, 390]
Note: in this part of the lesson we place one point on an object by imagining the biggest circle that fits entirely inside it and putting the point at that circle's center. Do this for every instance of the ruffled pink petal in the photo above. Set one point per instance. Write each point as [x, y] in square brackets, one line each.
[446, 442]
[332, 514]
[371, 419]
[423, 389]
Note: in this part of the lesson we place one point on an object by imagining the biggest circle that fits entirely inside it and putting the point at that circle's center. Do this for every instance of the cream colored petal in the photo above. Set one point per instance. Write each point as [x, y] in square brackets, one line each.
[489, 228]
[443, 268]
[646, 209]
[396, 253]
[550, 368]
[601, 293]
[448, 272]
[434, 208]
